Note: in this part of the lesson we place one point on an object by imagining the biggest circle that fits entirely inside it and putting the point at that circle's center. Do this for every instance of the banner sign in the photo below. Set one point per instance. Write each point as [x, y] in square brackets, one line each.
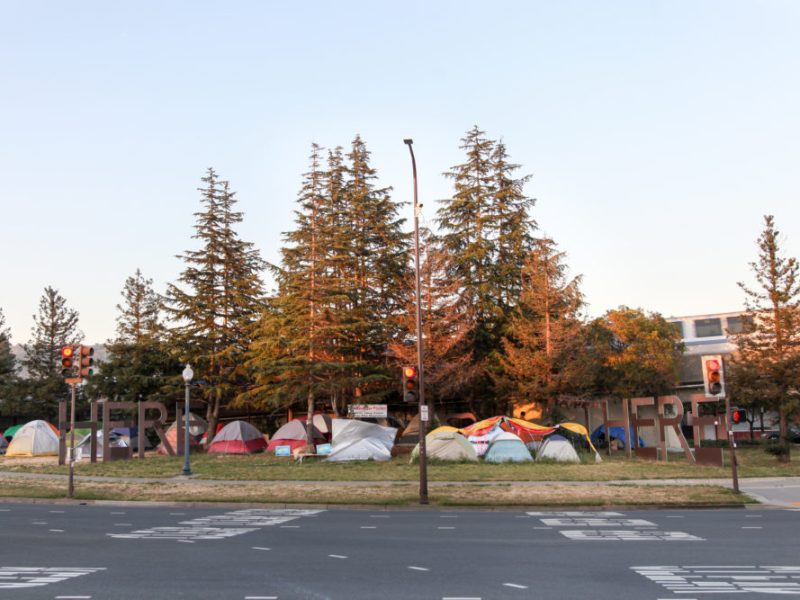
[368, 411]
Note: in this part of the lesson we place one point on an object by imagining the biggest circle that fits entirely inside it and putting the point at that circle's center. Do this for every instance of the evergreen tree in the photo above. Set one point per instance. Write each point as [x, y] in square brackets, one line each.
[7, 360]
[769, 346]
[337, 290]
[294, 356]
[55, 326]
[8, 369]
[217, 299]
[543, 350]
[138, 365]
[487, 233]
[447, 370]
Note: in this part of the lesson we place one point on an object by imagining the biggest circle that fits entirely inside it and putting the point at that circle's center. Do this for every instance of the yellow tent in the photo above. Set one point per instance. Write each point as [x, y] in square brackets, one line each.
[443, 428]
[580, 430]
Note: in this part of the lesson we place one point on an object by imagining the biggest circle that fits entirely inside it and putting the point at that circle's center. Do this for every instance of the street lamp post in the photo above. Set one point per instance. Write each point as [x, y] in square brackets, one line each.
[187, 378]
[423, 408]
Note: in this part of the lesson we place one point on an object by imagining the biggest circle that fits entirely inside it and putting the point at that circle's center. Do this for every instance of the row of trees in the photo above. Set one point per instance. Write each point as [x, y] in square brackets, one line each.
[503, 322]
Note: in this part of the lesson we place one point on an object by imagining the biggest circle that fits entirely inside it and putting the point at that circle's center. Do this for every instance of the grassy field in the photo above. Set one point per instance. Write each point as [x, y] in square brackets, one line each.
[753, 462]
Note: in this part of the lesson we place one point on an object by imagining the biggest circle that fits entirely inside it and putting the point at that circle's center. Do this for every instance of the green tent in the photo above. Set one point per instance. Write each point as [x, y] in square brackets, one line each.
[9, 433]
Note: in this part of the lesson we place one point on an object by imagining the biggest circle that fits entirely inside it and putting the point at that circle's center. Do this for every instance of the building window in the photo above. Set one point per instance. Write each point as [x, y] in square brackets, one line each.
[679, 326]
[707, 327]
[737, 324]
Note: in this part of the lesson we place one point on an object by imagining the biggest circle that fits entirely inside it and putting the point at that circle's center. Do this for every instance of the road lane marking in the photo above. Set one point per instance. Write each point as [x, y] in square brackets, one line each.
[56, 512]
[56, 530]
[290, 526]
[29, 577]
[752, 527]
[117, 513]
[516, 585]
[542, 527]
[629, 535]
[260, 548]
[379, 516]
[72, 597]
[260, 598]
[418, 569]
[123, 524]
[337, 556]
[368, 527]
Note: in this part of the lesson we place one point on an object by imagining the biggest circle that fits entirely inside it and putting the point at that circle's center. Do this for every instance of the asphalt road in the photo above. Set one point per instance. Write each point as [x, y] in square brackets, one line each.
[99, 552]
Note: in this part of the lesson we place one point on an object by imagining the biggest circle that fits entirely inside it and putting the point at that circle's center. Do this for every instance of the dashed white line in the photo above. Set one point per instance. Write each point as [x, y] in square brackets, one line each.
[448, 516]
[39, 523]
[542, 527]
[516, 585]
[5, 510]
[56, 530]
[290, 526]
[123, 524]
[753, 516]
[418, 569]
[379, 516]
[260, 548]
[368, 527]
[445, 528]
[72, 597]
[117, 513]
[674, 516]
[56, 512]
[171, 514]
[461, 598]
[752, 527]
[337, 556]
[260, 598]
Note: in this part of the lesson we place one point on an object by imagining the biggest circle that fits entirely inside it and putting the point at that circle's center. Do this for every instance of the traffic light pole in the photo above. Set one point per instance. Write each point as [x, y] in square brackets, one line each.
[731, 444]
[71, 486]
[423, 407]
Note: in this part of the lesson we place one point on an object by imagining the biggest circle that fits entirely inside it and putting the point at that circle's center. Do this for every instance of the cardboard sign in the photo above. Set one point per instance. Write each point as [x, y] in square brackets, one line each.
[324, 448]
[283, 450]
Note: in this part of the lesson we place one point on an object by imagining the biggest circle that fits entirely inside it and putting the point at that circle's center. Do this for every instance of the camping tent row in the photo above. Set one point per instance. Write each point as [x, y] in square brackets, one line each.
[497, 446]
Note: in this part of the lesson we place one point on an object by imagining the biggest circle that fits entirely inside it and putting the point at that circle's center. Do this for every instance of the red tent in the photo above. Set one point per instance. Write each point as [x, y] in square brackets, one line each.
[238, 437]
[293, 434]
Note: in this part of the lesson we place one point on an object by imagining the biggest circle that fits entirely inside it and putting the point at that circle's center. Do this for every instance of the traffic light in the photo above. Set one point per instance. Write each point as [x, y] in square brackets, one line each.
[712, 376]
[86, 361]
[67, 361]
[738, 415]
[410, 384]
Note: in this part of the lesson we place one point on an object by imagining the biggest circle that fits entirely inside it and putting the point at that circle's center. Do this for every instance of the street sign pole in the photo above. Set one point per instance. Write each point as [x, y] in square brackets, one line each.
[731, 444]
[71, 486]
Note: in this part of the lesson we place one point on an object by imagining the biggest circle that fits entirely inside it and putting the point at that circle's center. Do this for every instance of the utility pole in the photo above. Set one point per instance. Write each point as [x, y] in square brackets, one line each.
[423, 407]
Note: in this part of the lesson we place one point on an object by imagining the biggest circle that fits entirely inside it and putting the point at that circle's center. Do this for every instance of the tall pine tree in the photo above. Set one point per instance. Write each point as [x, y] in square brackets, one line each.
[138, 365]
[217, 299]
[768, 355]
[486, 233]
[8, 369]
[544, 343]
[54, 326]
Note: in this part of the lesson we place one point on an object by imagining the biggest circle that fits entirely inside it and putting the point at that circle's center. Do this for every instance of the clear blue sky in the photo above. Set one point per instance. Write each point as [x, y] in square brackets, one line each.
[657, 133]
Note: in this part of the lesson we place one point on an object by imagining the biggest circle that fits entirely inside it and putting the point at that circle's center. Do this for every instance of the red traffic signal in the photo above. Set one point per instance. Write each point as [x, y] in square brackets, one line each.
[410, 384]
[86, 361]
[739, 415]
[67, 361]
[712, 376]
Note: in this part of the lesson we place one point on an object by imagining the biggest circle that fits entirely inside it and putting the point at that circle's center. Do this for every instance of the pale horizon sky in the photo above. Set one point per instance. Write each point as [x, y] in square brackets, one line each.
[658, 133]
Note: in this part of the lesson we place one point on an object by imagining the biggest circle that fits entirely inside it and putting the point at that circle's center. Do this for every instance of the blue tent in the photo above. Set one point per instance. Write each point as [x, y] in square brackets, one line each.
[507, 447]
[617, 433]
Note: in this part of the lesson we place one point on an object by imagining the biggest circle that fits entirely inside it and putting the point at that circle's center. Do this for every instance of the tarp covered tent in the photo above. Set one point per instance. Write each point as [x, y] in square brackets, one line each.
[446, 445]
[617, 433]
[197, 428]
[557, 448]
[482, 442]
[580, 430]
[507, 447]
[238, 437]
[443, 428]
[357, 440]
[36, 438]
[483, 432]
[293, 434]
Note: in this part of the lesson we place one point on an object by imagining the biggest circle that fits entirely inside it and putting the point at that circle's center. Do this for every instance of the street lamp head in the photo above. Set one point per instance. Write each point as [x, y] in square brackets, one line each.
[188, 374]
[408, 141]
